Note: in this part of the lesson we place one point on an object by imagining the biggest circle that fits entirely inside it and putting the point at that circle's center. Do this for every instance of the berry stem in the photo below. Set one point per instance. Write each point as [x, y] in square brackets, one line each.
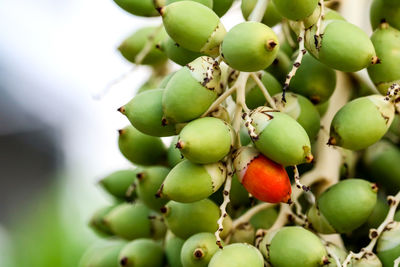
[286, 33]
[245, 218]
[219, 100]
[264, 90]
[258, 11]
[317, 36]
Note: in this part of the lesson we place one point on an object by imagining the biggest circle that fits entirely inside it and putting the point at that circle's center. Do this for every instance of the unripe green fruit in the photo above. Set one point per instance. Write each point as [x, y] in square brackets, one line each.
[143, 8]
[177, 53]
[322, 108]
[239, 195]
[271, 14]
[104, 254]
[131, 221]
[207, 3]
[295, 10]
[198, 250]
[369, 260]
[382, 11]
[140, 148]
[314, 80]
[190, 182]
[395, 126]
[294, 246]
[264, 219]
[244, 233]
[340, 253]
[166, 79]
[117, 183]
[132, 46]
[389, 244]
[193, 26]
[280, 137]
[361, 122]
[237, 255]
[206, 140]
[378, 214]
[142, 253]
[173, 247]
[382, 162]
[302, 110]
[97, 221]
[152, 83]
[220, 7]
[344, 46]
[148, 182]
[386, 41]
[345, 206]
[250, 46]
[244, 136]
[280, 67]
[145, 113]
[174, 155]
[200, 78]
[187, 219]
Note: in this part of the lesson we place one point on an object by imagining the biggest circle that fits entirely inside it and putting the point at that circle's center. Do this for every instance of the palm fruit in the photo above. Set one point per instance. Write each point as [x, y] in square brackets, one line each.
[344, 207]
[314, 80]
[361, 122]
[165, 80]
[143, 8]
[250, 46]
[140, 148]
[343, 47]
[263, 178]
[187, 219]
[97, 221]
[198, 250]
[244, 233]
[148, 182]
[207, 3]
[295, 10]
[103, 254]
[271, 15]
[239, 195]
[280, 67]
[193, 26]
[206, 140]
[395, 126]
[145, 113]
[340, 253]
[117, 183]
[386, 41]
[322, 108]
[293, 246]
[264, 219]
[280, 137]
[200, 78]
[131, 221]
[177, 53]
[142, 253]
[244, 136]
[382, 163]
[220, 7]
[135, 43]
[368, 260]
[389, 244]
[381, 11]
[237, 255]
[190, 182]
[174, 155]
[152, 83]
[302, 110]
[173, 247]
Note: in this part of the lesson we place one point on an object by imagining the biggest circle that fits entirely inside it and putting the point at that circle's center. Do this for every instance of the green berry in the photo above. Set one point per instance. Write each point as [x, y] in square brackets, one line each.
[382, 11]
[239, 195]
[173, 247]
[295, 10]
[190, 182]
[143, 8]
[244, 233]
[142, 253]
[250, 46]
[369, 260]
[117, 183]
[322, 108]
[193, 26]
[389, 244]
[135, 43]
[280, 67]
[198, 250]
[97, 221]
[140, 148]
[395, 126]
[207, 3]
[237, 255]
[166, 79]
[271, 15]
[361, 122]
[102, 254]
[264, 219]
[177, 53]
[220, 7]
[174, 155]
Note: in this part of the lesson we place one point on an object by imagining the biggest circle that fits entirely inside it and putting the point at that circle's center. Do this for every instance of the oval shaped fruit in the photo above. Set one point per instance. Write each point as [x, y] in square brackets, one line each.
[294, 246]
[386, 41]
[314, 80]
[102, 254]
[250, 46]
[238, 196]
[145, 113]
[174, 155]
[177, 53]
[237, 255]
[117, 183]
[193, 26]
[343, 47]
[97, 221]
[243, 233]
[345, 206]
[220, 7]
[189, 182]
[262, 178]
[143, 8]
[368, 260]
[280, 67]
[198, 250]
[135, 43]
[271, 15]
[264, 219]
[200, 78]
[381, 10]
[148, 182]
[206, 140]
[173, 247]
[207, 3]
[280, 137]
[295, 10]
[302, 110]
[388, 247]
[361, 122]
[140, 148]
[165, 80]
[187, 219]
[142, 253]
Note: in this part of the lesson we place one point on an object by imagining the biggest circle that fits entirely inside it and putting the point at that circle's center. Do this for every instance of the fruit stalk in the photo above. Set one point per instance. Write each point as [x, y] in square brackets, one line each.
[264, 90]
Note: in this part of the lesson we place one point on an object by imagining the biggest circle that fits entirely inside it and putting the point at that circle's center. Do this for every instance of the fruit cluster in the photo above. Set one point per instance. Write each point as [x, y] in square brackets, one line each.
[227, 191]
